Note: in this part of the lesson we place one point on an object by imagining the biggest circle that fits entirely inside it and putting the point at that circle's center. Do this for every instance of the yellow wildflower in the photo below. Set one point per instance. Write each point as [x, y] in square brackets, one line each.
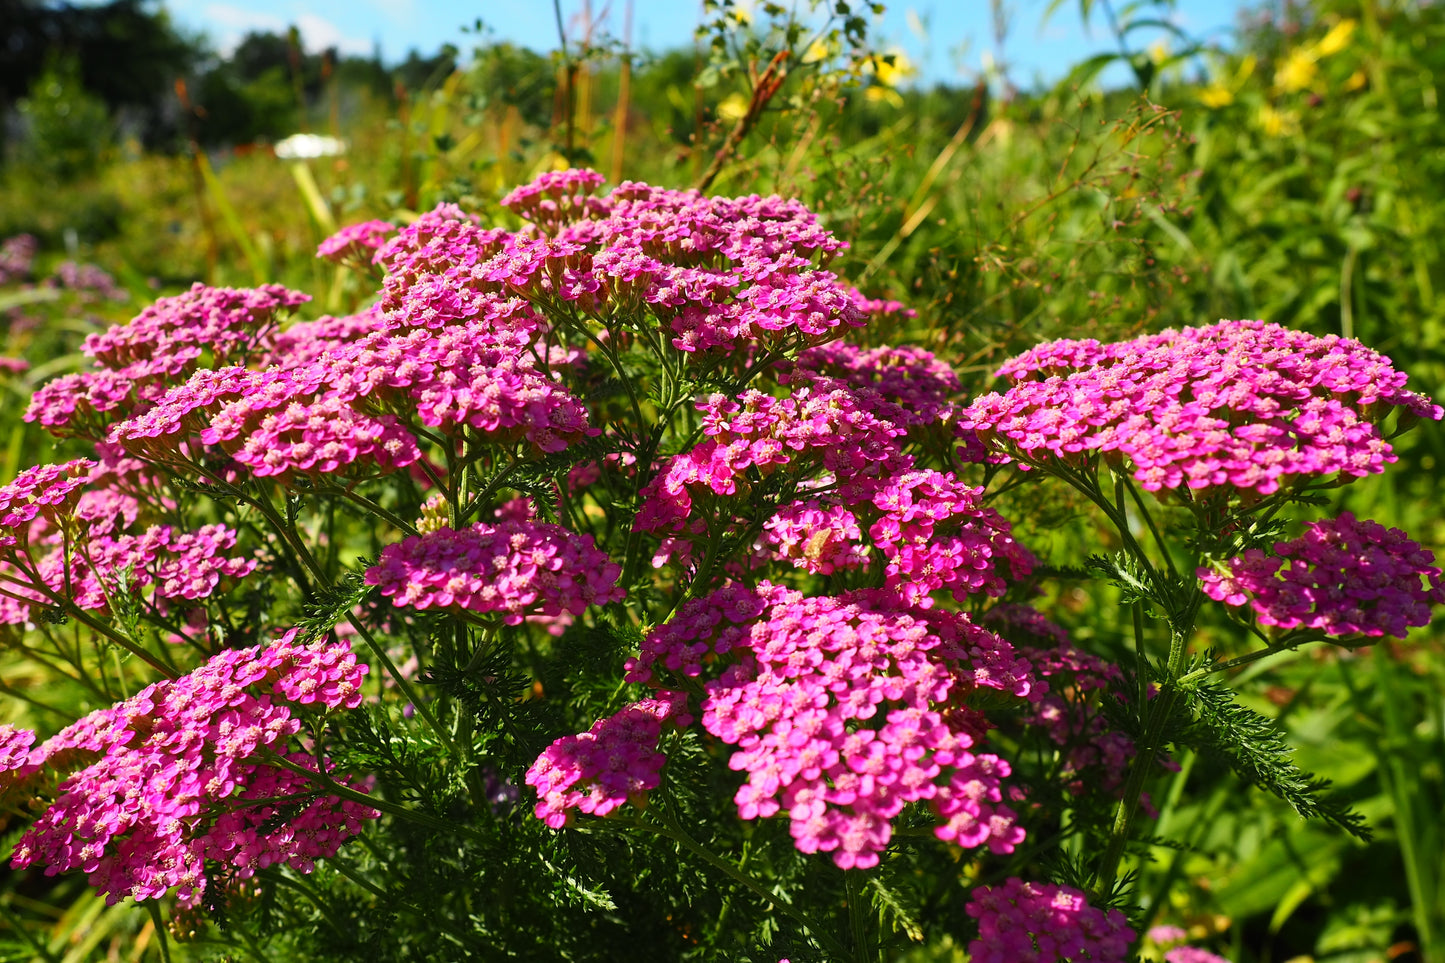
[817, 52]
[885, 95]
[1276, 123]
[1298, 71]
[1216, 95]
[1220, 93]
[889, 74]
[733, 108]
[1337, 39]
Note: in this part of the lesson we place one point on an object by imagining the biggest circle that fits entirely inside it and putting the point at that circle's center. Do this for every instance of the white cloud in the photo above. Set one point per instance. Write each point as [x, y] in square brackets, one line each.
[229, 25]
[397, 11]
[318, 33]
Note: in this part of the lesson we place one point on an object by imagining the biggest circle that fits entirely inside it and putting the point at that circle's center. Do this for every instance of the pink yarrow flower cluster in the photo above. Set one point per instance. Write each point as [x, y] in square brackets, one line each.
[151, 794]
[135, 363]
[810, 431]
[515, 568]
[615, 762]
[846, 710]
[1342, 577]
[69, 532]
[917, 387]
[333, 410]
[935, 534]
[45, 491]
[1192, 954]
[356, 242]
[821, 539]
[1027, 922]
[1239, 404]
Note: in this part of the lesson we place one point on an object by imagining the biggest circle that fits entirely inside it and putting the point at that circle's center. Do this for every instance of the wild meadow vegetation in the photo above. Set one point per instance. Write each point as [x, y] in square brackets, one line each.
[735, 503]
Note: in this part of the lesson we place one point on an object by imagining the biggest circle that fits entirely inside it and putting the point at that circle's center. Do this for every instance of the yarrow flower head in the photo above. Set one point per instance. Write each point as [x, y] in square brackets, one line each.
[136, 363]
[1027, 922]
[1240, 405]
[617, 761]
[357, 242]
[844, 711]
[1192, 954]
[1342, 577]
[516, 568]
[149, 792]
[71, 534]
[45, 491]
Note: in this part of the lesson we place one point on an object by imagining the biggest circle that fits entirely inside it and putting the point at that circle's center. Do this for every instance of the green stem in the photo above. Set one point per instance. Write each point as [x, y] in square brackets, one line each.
[402, 682]
[371, 506]
[300, 885]
[160, 927]
[1246, 659]
[1153, 528]
[1147, 755]
[673, 830]
[334, 788]
[289, 536]
[857, 920]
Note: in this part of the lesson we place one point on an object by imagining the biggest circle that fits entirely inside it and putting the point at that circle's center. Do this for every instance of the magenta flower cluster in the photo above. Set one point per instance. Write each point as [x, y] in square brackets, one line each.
[816, 537]
[135, 363]
[1241, 404]
[918, 388]
[846, 710]
[515, 568]
[1192, 954]
[17, 257]
[1028, 922]
[178, 784]
[1342, 577]
[809, 431]
[935, 534]
[333, 408]
[65, 535]
[615, 762]
[356, 242]
[46, 492]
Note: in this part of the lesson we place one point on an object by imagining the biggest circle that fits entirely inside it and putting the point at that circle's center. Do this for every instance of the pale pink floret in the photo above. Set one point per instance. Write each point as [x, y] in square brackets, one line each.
[1342, 577]
[1026, 922]
[1192, 954]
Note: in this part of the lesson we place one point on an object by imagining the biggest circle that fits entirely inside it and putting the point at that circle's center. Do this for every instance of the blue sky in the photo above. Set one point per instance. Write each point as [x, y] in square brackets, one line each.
[949, 40]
